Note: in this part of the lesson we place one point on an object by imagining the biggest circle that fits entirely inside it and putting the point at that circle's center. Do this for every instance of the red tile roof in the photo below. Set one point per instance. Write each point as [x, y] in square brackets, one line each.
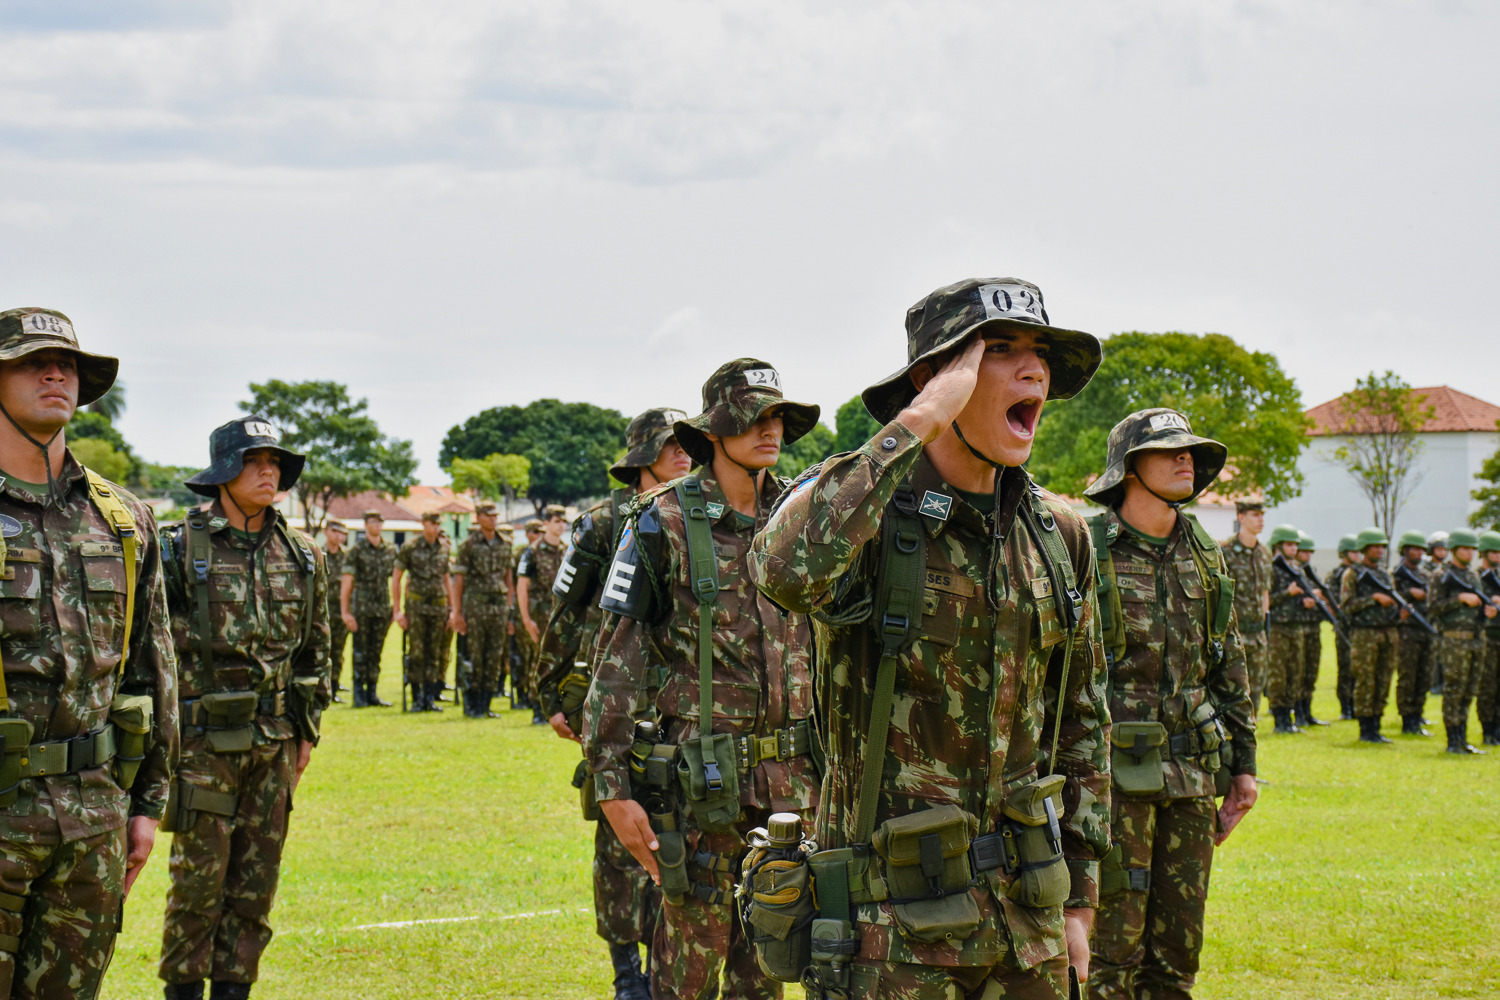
[421, 499]
[1453, 411]
[352, 508]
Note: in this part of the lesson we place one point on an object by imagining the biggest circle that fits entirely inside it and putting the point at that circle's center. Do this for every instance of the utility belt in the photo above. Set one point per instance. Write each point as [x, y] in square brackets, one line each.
[1139, 749]
[433, 600]
[227, 718]
[124, 740]
[483, 598]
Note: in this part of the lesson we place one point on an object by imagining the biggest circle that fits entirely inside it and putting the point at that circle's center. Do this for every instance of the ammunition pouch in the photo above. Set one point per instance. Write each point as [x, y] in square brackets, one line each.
[572, 690]
[671, 858]
[1224, 777]
[14, 904]
[1114, 878]
[710, 784]
[131, 716]
[927, 873]
[188, 800]
[15, 739]
[1136, 756]
[303, 701]
[1031, 839]
[776, 890]
[229, 718]
[587, 801]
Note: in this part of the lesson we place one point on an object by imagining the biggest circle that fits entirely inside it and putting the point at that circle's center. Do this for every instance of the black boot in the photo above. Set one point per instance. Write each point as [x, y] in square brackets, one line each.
[483, 704]
[630, 982]
[1458, 741]
[1411, 725]
[1369, 730]
[1492, 736]
[183, 991]
[229, 991]
[1346, 710]
[468, 703]
[1284, 723]
[1304, 709]
[371, 698]
[434, 692]
[357, 694]
[537, 718]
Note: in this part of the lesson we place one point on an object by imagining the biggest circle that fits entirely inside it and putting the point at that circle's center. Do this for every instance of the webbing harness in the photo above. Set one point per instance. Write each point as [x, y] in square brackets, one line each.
[119, 518]
[703, 574]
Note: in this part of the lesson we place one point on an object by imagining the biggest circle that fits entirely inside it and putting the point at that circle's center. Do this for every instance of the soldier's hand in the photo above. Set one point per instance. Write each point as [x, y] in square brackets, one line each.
[628, 820]
[1078, 924]
[1240, 800]
[1295, 590]
[1308, 602]
[560, 727]
[533, 631]
[1418, 594]
[1385, 600]
[457, 623]
[1472, 600]
[400, 620]
[304, 757]
[140, 837]
[350, 622]
[1490, 611]
[945, 395]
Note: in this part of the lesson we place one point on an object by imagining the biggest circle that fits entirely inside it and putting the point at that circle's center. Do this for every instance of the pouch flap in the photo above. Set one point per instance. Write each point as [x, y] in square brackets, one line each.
[305, 688]
[899, 840]
[1137, 736]
[132, 712]
[16, 734]
[1027, 804]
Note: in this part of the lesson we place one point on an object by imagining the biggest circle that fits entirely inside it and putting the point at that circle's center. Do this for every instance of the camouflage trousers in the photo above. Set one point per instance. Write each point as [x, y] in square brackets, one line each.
[1487, 701]
[522, 676]
[1312, 659]
[337, 634]
[369, 644]
[427, 642]
[873, 980]
[1411, 671]
[1463, 663]
[698, 940]
[1345, 682]
[626, 901]
[1372, 658]
[61, 940]
[1286, 662]
[225, 868]
[1147, 940]
[1256, 649]
[487, 645]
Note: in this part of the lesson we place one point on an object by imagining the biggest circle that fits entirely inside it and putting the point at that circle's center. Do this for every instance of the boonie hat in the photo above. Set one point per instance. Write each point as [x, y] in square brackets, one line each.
[734, 398]
[486, 507]
[226, 452]
[949, 316]
[25, 331]
[645, 437]
[334, 524]
[1250, 503]
[1157, 429]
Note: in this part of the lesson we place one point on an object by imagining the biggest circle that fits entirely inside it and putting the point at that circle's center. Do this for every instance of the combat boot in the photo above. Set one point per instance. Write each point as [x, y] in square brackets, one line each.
[357, 696]
[183, 991]
[1492, 736]
[485, 711]
[630, 982]
[1284, 723]
[1346, 710]
[434, 692]
[1304, 711]
[229, 991]
[1369, 730]
[371, 698]
[537, 718]
[1411, 725]
[1458, 741]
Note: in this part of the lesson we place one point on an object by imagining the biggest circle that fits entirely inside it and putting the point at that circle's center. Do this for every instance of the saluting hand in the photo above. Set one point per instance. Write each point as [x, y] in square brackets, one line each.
[944, 395]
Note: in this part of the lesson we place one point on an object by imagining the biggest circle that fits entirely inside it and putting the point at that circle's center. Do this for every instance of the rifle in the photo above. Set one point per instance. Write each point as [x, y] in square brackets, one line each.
[1401, 602]
[1458, 584]
[1491, 578]
[1411, 576]
[1315, 591]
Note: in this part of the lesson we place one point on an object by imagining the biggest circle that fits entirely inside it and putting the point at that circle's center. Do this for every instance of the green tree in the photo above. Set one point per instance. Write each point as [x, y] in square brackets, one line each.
[111, 405]
[494, 477]
[99, 455]
[167, 481]
[807, 451]
[853, 426]
[1488, 514]
[346, 453]
[1239, 397]
[1379, 419]
[570, 446]
[88, 425]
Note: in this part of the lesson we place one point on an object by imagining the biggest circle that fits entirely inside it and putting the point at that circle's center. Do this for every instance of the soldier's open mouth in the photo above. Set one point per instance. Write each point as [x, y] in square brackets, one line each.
[1023, 416]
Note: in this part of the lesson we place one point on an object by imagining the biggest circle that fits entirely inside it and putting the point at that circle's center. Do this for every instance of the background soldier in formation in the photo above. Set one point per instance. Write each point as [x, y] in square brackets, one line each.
[1249, 563]
[423, 618]
[1290, 604]
[1414, 652]
[1312, 625]
[1437, 554]
[727, 672]
[1488, 699]
[1374, 642]
[482, 583]
[249, 611]
[365, 606]
[966, 707]
[536, 570]
[1179, 702]
[89, 680]
[334, 537]
[1460, 612]
[1348, 558]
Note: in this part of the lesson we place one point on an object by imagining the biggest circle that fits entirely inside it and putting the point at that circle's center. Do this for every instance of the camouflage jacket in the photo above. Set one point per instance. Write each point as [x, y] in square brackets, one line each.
[1287, 608]
[1169, 668]
[649, 667]
[1402, 576]
[63, 627]
[1251, 569]
[370, 566]
[1444, 609]
[539, 563]
[1489, 585]
[485, 565]
[576, 615]
[1357, 598]
[261, 632]
[333, 563]
[976, 698]
[426, 566]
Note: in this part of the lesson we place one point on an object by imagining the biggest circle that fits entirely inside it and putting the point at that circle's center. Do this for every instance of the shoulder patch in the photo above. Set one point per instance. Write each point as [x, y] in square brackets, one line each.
[9, 526]
[936, 505]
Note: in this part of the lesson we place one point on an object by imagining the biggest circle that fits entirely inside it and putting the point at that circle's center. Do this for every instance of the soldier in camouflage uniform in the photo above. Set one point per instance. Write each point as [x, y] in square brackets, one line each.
[89, 675]
[1348, 557]
[482, 583]
[1312, 643]
[1374, 641]
[335, 535]
[969, 705]
[536, 571]
[1437, 555]
[625, 900]
[1290, 605]
[1415, 653]
[758, 690]
[1178, 691]
[248, 596]
[1249, 563]
[1487, 703]
[365, 606]
[423, 563]
[1460, 613]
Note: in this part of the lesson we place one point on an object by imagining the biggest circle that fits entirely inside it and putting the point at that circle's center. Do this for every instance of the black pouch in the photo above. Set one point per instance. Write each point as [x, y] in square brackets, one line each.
[230, 715]
[304, 705]
[15, 737]
[777, 889]
[714, 810]
[131, 715]
[927, 874]
[1032, 841]
[1135, 757]
[584, 782]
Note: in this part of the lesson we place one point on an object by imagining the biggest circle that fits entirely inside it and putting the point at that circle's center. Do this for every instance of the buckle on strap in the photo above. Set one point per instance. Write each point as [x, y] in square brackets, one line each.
[71, 755]
[781, 745]
[986, 853]
[1183, 744]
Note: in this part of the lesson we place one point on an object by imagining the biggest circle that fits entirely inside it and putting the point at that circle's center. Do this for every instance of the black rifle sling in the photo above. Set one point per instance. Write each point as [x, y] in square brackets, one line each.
[703, 574]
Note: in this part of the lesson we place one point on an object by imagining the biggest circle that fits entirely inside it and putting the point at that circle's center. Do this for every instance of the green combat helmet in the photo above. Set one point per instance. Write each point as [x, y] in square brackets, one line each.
[1347, 543]
[945, 320]
[1489, 542]
[1410, 538]
[646, 436]
[1462, 538]
[734, 398]
[1156, 429]
[1284, 533]
[1305, 542]
[226, 452]
[1371, 536]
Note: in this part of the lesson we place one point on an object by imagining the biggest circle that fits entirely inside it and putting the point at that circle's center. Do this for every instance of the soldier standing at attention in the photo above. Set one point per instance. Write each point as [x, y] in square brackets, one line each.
[1178, 695]
[424, 615]
[1249, 563]
[1312, 644]
[1348, 558]
[249, 605]
[1460, 612]
[482, 582]
[960, 682]
[724, 672]
[1437, 555]
[1414, 655]
[334, 537]
[88, 695]
[365, 606]
[535, 572]
[625, 900]
[1488, 701]
[1289, 605]
[1374, 642]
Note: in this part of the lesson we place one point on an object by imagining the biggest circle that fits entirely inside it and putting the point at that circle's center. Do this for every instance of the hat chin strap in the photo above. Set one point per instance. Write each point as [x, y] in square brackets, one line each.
[1174, 504]
[45, 449]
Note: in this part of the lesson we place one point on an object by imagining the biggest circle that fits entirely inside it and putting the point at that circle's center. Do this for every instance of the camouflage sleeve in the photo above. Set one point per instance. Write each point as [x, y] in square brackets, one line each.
[1348, 595]
[151, 669]
[1442, 596]
[1280, 592]
[1229, 687]
[312, 659]
[815, 537]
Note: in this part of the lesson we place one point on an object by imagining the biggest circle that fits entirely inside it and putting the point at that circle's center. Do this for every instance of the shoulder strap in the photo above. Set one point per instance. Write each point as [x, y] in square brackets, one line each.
[200, 557]
[300, 545]
[120, 519]
[1111, 615]
[1218, 585]
[1043, 526]
[703, 575]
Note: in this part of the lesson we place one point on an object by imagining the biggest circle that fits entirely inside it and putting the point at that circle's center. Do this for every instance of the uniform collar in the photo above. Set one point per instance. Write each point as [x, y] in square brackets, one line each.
[933, 495]
[718, 507]
[68, 477]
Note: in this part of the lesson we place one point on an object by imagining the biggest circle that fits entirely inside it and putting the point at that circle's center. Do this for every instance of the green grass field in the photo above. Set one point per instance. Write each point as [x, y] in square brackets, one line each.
[1364, 871]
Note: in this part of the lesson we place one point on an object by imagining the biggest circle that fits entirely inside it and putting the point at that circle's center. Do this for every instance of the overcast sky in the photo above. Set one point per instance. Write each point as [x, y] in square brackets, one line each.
[450, 206]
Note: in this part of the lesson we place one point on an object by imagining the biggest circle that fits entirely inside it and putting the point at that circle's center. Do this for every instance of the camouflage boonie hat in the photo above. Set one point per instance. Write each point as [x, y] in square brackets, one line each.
[1157, 429]
[24, 331]
[486, 507]
[226, 453]
[433, 516]
[646, 436]
[947, 318]
[734, 398]
[334, 524]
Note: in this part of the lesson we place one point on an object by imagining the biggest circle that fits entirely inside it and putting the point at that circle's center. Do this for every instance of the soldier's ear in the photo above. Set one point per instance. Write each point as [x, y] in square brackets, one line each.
[920, 375]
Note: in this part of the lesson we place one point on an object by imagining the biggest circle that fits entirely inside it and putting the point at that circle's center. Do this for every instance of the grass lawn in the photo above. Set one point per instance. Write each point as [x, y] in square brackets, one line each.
[1365, 871]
